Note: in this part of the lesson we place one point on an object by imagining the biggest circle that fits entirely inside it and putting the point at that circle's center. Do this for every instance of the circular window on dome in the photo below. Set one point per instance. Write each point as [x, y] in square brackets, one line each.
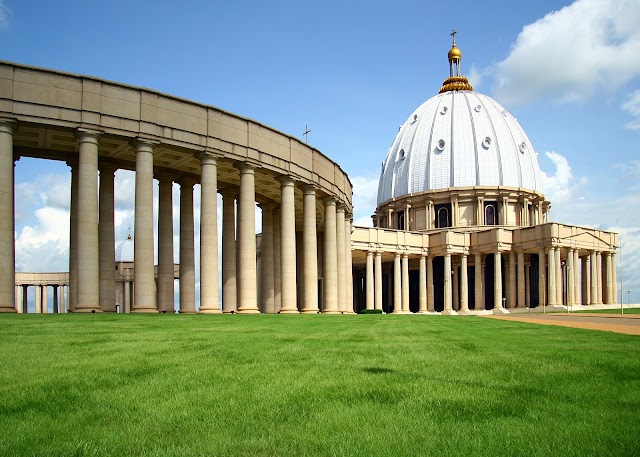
[444, 110]
[486, 142]
[441, 145]
[415, 117]
[478, 108]
[402, 154]
[522, 147]
[504, 112]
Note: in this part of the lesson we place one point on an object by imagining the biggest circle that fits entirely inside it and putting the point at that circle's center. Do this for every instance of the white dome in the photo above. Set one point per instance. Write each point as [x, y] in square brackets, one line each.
[124, 251]
[458, 139]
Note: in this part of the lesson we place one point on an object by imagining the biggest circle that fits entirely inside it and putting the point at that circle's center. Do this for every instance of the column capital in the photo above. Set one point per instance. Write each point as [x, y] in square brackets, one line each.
[330, 201]
[340, 207]
[187, 181]
[285, 180]
[228, 192]
[8, 125]
[107, 167]
[163, 176]
[207, 157]
[245, 167]
[309, 189]
[87, 136]
[144, 144]
[267, 206]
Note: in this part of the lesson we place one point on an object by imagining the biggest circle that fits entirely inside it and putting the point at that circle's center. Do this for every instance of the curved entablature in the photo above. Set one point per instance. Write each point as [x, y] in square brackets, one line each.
[50, 106]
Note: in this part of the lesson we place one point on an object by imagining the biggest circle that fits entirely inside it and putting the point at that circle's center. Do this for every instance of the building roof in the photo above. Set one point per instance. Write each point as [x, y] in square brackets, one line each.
[458, 138]
[124, 250]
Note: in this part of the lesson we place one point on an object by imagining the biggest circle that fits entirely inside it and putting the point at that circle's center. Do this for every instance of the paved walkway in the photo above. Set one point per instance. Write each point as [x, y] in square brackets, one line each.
[628, 323]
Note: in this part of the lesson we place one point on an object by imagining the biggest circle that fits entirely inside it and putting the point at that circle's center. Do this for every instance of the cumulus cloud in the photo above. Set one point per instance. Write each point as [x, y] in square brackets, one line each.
[44, 246]
[4, 16]
[632, 106]
[365, 191]
[562, 185]
[570, 53]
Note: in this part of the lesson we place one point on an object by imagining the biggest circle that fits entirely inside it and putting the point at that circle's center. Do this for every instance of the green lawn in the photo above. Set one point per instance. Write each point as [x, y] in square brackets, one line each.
[314, 385]
[611, 311]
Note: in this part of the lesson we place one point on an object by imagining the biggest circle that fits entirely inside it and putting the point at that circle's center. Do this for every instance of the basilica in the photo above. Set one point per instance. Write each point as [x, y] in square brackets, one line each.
[462, 225]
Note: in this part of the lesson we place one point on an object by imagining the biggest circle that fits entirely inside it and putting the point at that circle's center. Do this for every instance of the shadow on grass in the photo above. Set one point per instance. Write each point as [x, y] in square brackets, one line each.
[377, 370]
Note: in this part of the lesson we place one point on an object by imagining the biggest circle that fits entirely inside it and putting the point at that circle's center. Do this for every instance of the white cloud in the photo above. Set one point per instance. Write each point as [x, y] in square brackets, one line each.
[562, 185]
[4, 16]
[632, 106]
[365, 192]
[44, 246]
[570, 53]
[475, 76]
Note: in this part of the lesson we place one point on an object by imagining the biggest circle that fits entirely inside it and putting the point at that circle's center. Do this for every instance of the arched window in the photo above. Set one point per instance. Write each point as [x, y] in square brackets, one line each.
[443, 218]
[401, 220]
[490, 215]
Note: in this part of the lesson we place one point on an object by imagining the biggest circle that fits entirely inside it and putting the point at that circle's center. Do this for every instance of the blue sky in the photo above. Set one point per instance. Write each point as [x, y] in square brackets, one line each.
[353, 71]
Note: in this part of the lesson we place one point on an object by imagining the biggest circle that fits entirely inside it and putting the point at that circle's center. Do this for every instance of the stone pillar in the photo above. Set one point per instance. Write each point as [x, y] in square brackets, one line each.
[369, 295]
[45, 299]
[570, 278]
[430, 299]
[228, 253]
[165, 245]
[107, 240]
[553, 296]
[38, 299]
[349, 263]
[377, 302]
[187, 290]
[405, 284]
[599, 296]
[511, 301]
[558, 270]
[608, 279]
[341, 258]
[478, 290]
[422, 286]
[127, 296]
[288, 246]
[277, 276]
[447, 284]
[497, 282]
[521, 303]
[330, 265]
[246, 248]
[397, 285]
[576, 278]
[7, 221]
[464, 284]
[209, 303]
[614, 279]
[18, 297]
[310, 251]
[73, 238]
[594, 277]
[266, 249]
[143, 276]
[88, 253]
[586, 280]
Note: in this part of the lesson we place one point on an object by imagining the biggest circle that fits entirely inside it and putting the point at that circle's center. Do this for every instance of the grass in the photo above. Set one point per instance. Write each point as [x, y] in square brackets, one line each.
[611, 311]
[314, 385]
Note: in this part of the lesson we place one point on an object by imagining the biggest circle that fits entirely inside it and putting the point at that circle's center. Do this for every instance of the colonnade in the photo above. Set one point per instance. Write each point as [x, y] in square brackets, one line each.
[91, 252]
[573, 277]
[41, 301]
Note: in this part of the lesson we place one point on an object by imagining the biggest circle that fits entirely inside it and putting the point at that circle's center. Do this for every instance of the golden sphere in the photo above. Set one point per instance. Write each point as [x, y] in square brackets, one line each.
[455, 53]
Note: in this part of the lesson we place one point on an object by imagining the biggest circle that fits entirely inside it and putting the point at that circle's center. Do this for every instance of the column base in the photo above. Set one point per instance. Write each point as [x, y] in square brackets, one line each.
[464, 311]
[331, 311]
[209, 311]
[8, 309]
[87, 310]
[310, 311]
[248, 311]
[141, 310]
[289, 311]
[449, 312]
[500, 311]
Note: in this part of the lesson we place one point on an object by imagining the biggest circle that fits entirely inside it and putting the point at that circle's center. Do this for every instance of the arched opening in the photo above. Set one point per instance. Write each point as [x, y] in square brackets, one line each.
[534, 280]
[443, 215]
[490, 213]
[401, 220]
[438, 283]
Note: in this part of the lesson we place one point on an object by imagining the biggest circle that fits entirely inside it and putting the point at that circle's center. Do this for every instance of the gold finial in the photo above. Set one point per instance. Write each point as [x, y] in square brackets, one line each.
[455, 81]
[129, 232]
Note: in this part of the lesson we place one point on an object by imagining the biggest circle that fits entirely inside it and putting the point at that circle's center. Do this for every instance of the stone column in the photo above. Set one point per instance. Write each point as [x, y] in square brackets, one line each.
[88, 253]
[614, 279]
[479, 299]
[38, 299]
[63, 302]
[341, 258]
[586, 280]
[166, 272]
[521, 282]
[511, 301]
[422, 286]
[553, 296]
[608, 279]
[430, 299]
[576, 278]
[289, 302]
[18, 297]
[377, 302]
[7, 221]
[558, 270]
[187, 290]
[143, 276]
[464, 284]
[266, 249]
[397, 285]
[349, 263]
[310, 251]
[277, 276]
[73, 237]
[405, 284]
[45, 299]
[228, 253]
[107, 240]
[570, 278]
[599, 277]
[497, 282]
[246, 248]
[209, 303]
[594, 277]
[127, 296]
[447, 284]
[527, 286]
[330, 266]
[369, 299]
